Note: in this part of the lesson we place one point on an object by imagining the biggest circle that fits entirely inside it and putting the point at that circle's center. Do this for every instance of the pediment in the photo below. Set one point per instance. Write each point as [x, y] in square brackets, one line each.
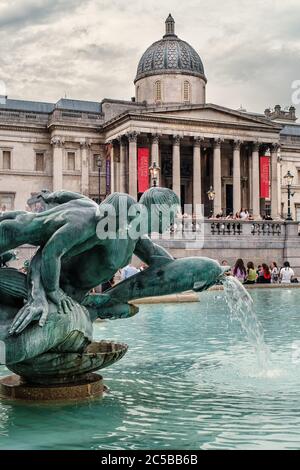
[217, 114]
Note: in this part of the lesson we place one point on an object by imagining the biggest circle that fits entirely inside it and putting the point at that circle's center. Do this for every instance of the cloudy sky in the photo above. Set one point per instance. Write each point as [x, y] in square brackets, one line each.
[89, 49]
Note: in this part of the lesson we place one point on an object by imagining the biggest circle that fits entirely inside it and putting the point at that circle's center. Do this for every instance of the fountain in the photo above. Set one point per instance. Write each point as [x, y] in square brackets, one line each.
[46, 316]
[240, 305]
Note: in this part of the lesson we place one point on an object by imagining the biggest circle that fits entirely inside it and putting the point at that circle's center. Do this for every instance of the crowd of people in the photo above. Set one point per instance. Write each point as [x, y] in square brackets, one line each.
[243, 214]
[263, 274]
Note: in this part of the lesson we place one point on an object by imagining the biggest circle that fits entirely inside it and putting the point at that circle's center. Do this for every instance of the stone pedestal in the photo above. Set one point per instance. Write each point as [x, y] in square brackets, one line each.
[14, 388]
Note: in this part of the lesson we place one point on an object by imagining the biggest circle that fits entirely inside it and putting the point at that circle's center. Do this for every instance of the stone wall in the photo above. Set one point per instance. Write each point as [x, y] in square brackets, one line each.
[171, 89]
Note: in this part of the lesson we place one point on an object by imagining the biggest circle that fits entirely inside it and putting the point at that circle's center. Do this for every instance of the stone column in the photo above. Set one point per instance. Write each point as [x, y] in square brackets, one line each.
[197, 176]
[122, 165]
[237, 200]
[155, 152]
[274, 182]
[117, 173]
[112, 168]
[250, 182]
[84, 147]
[217, 176]
[176, 166]
[255, 181]
[279, 173]
[57, 144]
[132, 138]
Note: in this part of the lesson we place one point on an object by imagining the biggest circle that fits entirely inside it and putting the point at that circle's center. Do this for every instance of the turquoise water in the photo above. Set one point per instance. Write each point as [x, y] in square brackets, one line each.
[189, 381]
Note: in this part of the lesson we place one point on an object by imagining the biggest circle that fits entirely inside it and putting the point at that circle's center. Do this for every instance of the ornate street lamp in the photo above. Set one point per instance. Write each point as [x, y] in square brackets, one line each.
[154, 172]
[289, 181]
[211, 196]
[99, 165]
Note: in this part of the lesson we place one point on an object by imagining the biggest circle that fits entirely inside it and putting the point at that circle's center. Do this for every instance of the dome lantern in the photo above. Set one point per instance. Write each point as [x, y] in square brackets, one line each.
[169, 68]
[170, 26]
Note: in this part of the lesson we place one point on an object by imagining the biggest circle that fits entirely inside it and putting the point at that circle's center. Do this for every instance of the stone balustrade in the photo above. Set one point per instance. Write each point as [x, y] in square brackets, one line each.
[228, 228]
[257, 241]
[23, 117]
[71, 116]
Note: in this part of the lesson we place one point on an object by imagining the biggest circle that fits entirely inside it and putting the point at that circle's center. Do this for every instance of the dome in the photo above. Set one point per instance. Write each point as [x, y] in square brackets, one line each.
[170, 55]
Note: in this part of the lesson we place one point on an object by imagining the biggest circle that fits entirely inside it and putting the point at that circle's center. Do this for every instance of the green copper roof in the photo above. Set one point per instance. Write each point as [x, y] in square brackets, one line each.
[170, 55]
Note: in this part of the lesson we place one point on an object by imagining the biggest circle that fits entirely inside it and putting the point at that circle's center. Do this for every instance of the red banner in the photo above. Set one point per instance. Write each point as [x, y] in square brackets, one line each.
[143, 169]
[265, 177]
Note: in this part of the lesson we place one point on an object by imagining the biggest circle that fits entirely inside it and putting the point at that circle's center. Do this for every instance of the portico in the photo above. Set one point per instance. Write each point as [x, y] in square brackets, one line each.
[197, 147]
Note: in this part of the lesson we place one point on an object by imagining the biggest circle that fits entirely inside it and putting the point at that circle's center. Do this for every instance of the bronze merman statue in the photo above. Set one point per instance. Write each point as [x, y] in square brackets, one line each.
[49, 339]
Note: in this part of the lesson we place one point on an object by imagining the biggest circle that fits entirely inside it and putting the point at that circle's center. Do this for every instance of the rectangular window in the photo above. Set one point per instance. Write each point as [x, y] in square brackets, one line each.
[95, 162]
[39, 161]
[299, 177]
[6, 159]
[186, 91]
[7, 202]
[71, 161]
[158, 93]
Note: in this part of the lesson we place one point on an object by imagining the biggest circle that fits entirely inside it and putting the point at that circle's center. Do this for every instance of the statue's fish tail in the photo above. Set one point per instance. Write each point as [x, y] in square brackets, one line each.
[13, 283]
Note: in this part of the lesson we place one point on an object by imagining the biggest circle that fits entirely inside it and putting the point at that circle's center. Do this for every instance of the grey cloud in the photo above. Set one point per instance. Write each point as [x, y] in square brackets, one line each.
[106, 52]
[20, 13]
[90, 48]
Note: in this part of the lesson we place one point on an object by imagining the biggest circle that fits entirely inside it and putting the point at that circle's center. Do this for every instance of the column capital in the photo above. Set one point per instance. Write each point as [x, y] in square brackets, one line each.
[57, 141]
[132, 136]
[275, 147]
[237, 143]
[120, 139]
[198, 140]
[176, 139]
[218, 142]
[155, 138]
[255, 146]
[85, 144]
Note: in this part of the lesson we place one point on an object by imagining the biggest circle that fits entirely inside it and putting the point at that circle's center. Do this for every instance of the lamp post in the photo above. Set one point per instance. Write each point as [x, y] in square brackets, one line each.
[289, 181]
[99, 165]
[211, 196]
[154, 172]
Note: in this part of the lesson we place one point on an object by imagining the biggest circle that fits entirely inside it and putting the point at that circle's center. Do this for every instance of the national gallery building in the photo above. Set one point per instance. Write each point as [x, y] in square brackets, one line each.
[99, 147]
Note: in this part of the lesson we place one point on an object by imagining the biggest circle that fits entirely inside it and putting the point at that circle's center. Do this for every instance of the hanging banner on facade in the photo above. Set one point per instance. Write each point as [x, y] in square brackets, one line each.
[108, 168]
[143, 169]
[264, 177]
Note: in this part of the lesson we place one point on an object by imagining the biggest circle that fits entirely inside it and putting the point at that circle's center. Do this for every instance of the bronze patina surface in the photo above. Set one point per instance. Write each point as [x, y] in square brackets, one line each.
[47, 315]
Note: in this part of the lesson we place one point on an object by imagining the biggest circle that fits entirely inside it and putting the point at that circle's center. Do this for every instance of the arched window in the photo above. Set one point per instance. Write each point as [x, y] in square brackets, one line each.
[186, 91]
[158, 93]
[138, 93]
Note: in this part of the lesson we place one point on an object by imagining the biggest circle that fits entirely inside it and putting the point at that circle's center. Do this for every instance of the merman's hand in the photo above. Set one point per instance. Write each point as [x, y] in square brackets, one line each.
[35, 310]
[64, 303]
